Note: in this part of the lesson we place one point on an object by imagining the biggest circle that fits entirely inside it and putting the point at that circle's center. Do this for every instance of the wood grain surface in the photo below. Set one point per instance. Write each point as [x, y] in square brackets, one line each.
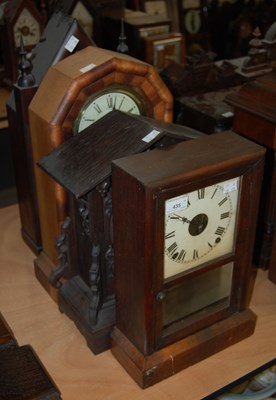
[35, 319]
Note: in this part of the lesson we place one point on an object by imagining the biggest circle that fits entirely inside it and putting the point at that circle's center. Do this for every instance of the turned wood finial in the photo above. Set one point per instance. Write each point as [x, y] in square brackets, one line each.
[256, 43]
[122, 46]
[25, 66]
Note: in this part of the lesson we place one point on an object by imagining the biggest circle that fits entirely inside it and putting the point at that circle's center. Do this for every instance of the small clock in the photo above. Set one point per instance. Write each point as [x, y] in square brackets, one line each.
[194, 25]
[184, 219]
[27, 27]
[20, 19]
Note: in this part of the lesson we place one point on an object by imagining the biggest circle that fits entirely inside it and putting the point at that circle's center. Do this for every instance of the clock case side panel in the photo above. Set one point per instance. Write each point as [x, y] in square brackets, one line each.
[132, 254]
[46, 190]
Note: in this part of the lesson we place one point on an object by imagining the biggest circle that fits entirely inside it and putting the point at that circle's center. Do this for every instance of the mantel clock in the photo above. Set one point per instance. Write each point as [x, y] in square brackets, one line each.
[74, 93]
[183, 242]
[193, 24]
[20, 18]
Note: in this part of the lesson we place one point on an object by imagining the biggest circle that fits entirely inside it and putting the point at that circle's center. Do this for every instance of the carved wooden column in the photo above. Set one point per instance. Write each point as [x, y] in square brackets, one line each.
[255, 117]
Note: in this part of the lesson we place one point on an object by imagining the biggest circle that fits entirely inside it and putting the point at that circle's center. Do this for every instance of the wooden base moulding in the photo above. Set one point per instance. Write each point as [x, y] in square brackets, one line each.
[163, 363]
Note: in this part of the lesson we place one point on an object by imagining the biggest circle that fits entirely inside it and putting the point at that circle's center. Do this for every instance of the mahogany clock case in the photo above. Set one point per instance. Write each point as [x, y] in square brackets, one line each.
[68, 87]
[254, 118]
[158, 330]
[82, 166]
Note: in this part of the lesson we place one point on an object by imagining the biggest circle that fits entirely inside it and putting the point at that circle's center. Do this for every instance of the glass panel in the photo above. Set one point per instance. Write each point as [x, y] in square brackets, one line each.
[212, 288]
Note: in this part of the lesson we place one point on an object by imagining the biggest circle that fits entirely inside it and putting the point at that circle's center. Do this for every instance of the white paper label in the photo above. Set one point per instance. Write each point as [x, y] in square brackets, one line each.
[72, 43]
[227, 114]
[230, 186]
[150, 136]
[176, 204]
[87, 68]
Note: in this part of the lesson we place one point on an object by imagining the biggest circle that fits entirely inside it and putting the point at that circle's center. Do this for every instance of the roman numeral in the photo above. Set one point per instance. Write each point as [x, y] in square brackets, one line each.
[222, 201]
[215, 191]
[109, 101]
[195, 254]
[181, 255]
[120, 105]
[172, 248]
[220, 231]
[225, 215]
[97, 108]
[201, 193]
[169, 235]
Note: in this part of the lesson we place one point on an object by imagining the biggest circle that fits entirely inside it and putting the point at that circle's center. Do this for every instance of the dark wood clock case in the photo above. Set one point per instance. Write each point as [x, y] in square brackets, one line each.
[53, 47]
[147, 347]
[82, 166]
[254, 117]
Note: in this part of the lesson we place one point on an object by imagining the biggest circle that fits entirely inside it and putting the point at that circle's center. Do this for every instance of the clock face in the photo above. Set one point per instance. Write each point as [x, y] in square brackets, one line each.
[102, 103]
[200, 226]
[192, 21]
[28, 27]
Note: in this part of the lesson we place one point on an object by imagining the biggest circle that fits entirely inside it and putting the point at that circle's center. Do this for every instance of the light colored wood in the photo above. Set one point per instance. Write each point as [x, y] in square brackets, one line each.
[35, 319]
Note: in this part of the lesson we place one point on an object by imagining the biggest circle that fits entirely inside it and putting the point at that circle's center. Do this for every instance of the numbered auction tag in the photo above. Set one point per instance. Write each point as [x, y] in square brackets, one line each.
[150, 136]
[176, 204]
[71, 44]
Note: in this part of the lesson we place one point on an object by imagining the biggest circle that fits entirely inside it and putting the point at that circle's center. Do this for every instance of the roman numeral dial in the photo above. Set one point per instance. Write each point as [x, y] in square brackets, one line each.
[99, 105]
[200, 226]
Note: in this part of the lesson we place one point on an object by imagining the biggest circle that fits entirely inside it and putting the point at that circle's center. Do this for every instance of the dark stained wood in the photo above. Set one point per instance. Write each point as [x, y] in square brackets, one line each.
[82, 166]
[166, 362]
[254, 109]
[21, 373]
[140, 185]
[48, 51]
[55, 108]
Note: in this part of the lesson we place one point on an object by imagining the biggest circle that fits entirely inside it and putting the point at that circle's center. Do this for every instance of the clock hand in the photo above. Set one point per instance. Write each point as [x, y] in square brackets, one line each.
[183, 219]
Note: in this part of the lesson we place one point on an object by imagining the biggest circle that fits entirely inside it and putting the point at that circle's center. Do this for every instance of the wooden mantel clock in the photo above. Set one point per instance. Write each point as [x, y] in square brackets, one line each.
[74, 93]
[183, 240]
[82, 166]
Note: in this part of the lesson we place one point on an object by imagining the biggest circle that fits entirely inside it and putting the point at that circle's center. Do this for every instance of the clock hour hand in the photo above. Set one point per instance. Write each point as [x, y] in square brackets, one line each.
[175, 216]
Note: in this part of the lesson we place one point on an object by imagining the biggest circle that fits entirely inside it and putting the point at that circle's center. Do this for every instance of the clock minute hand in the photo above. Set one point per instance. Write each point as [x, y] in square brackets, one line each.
[183, 219]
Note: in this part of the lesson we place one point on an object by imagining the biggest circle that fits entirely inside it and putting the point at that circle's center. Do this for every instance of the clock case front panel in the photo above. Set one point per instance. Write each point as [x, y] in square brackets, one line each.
[53, 110]
[149, 351]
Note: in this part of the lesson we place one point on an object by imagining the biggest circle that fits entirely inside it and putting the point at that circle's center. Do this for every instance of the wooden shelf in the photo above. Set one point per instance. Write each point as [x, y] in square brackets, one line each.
[35, 319]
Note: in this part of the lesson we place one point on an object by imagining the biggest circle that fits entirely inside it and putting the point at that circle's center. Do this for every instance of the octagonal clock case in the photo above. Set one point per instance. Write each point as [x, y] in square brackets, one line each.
[74, 93]
[184, 221]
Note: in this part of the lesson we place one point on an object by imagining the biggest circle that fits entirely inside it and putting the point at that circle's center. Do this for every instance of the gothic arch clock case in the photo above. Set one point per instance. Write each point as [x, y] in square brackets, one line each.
[74, 93]
[20, 18]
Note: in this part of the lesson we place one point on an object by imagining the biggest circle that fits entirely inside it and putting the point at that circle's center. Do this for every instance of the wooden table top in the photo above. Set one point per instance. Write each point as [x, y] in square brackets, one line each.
[35, 319]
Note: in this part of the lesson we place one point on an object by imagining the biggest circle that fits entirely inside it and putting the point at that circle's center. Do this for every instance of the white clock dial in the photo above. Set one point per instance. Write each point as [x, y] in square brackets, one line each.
[192, 21]
[200, 226]
[28, 27]
[98, 106]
